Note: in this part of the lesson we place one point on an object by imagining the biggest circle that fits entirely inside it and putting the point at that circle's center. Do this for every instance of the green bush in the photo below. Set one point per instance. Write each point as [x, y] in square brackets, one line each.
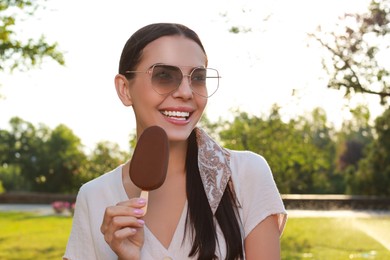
[2, 190]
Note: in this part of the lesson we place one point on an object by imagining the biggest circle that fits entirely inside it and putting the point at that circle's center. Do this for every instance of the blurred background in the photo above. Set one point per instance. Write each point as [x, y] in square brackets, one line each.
[304, 83]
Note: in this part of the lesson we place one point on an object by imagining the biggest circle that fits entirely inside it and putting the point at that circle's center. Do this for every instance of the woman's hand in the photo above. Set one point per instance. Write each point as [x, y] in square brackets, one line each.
[122, 228]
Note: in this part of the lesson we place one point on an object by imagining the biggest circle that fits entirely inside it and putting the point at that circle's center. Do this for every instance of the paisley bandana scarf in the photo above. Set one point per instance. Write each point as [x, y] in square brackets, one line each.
[214, 167]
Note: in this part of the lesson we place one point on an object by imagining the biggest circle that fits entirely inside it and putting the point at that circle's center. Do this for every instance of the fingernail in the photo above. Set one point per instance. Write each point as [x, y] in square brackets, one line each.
[138, 211]
[140, 221]
[142, 201]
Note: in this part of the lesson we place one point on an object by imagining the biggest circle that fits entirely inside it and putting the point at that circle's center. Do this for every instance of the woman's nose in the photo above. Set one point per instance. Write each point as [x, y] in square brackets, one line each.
[184, 90]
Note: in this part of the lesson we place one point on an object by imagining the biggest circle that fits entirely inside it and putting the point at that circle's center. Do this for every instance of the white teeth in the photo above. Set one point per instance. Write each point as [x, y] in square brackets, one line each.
[176, 113]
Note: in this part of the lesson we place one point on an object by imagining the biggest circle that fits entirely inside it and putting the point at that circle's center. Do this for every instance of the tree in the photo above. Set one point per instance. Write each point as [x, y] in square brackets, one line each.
[40, 159]
[105, 157]
[65, 157]
[36, 158]
[373, 176]
[357, 48]
[10, 177]
[352, 139]
[295, 150]
[319, 145]
[15, 54]
[20, 163]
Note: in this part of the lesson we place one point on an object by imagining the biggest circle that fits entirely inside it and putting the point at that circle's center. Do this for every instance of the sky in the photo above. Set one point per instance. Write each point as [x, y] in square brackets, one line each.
[258, 68]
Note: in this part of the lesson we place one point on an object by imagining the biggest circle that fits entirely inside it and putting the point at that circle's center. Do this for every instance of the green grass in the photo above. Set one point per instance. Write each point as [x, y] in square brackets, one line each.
[25, 236]
[334, 238]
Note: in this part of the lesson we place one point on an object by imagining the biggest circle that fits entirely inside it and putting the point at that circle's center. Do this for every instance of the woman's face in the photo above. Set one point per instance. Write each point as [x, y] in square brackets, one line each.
[178, 112]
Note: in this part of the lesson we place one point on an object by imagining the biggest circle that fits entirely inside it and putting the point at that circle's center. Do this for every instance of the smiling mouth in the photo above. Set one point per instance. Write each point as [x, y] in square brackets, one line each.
[179, 115]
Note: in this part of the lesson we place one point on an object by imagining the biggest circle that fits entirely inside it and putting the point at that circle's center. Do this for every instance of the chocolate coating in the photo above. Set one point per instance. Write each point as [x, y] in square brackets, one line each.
[149, 164]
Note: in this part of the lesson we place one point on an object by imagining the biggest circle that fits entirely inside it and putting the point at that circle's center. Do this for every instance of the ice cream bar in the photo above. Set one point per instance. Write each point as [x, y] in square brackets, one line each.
[149, 164]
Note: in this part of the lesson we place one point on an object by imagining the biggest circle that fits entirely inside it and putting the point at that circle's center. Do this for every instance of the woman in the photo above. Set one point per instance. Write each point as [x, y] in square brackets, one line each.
[214, 204]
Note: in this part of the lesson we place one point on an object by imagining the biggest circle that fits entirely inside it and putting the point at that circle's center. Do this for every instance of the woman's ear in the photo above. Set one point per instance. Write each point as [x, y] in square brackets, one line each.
[123, 89]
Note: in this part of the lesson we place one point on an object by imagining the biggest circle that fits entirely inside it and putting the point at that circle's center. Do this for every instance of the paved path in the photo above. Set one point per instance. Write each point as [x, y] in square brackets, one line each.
[337, 213]
[44, 209]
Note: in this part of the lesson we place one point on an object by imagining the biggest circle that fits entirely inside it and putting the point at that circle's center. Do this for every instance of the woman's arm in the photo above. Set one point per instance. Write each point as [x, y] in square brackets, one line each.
[263, 242]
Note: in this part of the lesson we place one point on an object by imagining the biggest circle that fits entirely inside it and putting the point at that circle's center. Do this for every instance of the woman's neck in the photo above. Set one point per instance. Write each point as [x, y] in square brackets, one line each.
[177, 157]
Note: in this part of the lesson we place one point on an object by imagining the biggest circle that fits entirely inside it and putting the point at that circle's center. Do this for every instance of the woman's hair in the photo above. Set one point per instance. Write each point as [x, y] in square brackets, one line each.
[132, 51]
[199, 215]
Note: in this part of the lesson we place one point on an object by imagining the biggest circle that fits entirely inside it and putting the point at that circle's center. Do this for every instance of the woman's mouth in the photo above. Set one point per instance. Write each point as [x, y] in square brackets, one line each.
[178, 115]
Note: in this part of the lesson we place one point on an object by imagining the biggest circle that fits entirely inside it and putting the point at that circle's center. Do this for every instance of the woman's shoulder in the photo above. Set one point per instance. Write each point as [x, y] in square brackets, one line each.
[256, 189]
[249, 168]
[248, 160]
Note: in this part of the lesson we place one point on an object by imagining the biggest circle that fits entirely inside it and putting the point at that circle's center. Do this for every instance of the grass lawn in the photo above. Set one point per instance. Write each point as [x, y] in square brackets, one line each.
[336, 238]
[25, 236]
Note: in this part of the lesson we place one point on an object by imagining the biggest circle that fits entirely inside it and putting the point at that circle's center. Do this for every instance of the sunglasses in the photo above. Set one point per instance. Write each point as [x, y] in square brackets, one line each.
[167, 78]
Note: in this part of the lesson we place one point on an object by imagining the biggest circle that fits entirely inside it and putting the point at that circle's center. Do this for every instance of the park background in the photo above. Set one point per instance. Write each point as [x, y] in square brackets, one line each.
[304, 83]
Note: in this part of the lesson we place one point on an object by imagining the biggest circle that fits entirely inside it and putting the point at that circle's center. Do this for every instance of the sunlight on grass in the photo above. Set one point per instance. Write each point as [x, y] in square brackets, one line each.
[25, 236]
[378, 229]
[330, 238]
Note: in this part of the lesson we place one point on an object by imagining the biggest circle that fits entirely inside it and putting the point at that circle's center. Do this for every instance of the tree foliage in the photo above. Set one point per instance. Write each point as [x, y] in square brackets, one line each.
[16, 53]
[358, 48]
[353, 138]
[306, 154]
[374, 169]
[46, 160]
[40, 159]
[105, 157]
[296, 150]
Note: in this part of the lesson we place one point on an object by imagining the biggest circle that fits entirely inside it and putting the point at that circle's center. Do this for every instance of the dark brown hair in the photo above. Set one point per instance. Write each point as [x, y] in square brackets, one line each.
[199, 216]
[132, 51]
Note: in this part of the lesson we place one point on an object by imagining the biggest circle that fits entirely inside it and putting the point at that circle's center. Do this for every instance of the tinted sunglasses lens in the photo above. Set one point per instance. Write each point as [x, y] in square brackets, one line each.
[205, 82]
[165, 78]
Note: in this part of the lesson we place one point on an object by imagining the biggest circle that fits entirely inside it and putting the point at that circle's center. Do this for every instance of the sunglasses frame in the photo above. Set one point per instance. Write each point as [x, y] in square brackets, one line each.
[150, 72]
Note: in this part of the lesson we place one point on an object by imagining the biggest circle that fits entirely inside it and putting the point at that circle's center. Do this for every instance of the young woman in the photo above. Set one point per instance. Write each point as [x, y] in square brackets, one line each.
[214, 204]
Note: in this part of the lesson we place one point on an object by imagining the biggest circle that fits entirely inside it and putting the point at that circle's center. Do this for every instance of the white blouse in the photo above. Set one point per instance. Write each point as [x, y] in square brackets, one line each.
[253, 184]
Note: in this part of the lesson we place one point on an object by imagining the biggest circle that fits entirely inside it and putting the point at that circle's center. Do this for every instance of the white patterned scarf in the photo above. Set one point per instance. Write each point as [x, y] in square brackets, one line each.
[214, 167]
